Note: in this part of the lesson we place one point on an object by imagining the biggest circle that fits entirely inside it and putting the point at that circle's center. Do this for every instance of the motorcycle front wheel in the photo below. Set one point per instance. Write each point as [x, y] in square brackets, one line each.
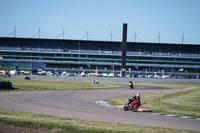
[135, 108]
[125, 107]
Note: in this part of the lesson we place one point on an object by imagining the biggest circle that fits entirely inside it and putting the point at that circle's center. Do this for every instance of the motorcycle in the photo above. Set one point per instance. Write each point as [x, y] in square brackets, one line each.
[131, 85]
[95, 82]
[134, 105]
[27, 78]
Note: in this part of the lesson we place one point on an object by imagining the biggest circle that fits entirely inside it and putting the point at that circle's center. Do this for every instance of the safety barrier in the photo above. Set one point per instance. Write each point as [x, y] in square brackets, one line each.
[6, 85]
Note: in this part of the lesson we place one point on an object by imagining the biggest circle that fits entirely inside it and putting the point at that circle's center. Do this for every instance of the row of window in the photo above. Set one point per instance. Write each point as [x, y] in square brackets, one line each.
[58, 55]
[95, 58]
[14, 64]
[106, 61]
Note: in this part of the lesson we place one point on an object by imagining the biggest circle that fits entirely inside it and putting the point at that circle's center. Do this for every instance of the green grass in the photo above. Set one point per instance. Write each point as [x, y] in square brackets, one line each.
[74, 125]
[35, 84]
[179, 102]
[185, 102]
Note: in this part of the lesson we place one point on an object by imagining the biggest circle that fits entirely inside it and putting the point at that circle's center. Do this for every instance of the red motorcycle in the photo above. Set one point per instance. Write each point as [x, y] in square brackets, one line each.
[134, 105]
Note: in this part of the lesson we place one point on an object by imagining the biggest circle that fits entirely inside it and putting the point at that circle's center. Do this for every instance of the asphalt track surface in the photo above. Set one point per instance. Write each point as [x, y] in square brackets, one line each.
[81, 104]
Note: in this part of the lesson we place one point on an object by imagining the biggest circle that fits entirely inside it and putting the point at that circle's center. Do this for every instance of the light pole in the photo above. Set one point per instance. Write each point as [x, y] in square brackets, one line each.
[113, 71]
[88, 66]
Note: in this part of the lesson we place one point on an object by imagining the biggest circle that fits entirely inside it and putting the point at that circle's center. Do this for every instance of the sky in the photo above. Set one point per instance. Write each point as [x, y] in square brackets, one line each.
[146, 19]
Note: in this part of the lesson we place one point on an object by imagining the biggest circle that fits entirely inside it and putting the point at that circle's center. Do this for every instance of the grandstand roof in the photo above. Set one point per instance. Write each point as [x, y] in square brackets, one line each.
[97, 41]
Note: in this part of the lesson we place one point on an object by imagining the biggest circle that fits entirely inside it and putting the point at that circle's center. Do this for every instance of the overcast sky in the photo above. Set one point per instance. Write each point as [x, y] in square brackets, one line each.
[146, 18]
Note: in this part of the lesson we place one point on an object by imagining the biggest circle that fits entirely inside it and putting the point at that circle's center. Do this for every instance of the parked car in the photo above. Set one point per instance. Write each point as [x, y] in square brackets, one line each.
[83, 74]
[49, 73]
[56, 74]
[111, 75]
[149, 76]
[166, 76]
[64, 73]
[141, 76]
[105, 75]
[157, 76]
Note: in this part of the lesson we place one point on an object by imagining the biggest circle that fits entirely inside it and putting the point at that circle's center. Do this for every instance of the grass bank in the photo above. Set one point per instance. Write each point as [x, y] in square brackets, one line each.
[47, 84]
[185, 102]
[41, 122]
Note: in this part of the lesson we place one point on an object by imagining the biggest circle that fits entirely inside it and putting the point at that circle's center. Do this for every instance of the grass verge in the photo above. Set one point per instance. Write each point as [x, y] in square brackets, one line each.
[74, 125]
[44, 84]
[184, 102]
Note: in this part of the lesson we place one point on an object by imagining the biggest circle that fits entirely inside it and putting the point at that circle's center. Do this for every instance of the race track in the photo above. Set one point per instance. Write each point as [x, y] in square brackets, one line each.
[81, 104]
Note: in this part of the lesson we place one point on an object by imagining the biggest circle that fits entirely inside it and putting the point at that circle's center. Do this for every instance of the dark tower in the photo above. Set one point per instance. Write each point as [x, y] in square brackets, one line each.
[124, 46]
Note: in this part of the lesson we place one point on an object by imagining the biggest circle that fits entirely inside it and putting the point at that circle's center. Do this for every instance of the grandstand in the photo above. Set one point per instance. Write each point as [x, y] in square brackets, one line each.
[99, 56]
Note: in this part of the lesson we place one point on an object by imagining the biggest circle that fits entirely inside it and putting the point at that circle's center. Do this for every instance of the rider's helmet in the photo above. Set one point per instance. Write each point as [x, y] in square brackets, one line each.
[137, 95]
[134, 96]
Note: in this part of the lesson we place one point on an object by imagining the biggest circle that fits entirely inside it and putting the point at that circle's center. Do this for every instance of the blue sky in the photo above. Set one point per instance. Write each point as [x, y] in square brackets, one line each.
[148, 18]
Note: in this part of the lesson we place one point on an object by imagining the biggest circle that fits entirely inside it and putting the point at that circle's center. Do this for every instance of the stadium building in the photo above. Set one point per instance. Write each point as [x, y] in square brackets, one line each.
[99, 56]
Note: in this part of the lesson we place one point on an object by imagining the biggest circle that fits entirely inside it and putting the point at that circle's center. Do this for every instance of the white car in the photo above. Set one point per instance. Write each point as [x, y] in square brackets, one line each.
[166, 76]
[83, 74]
[64, 73]
[105, 75]
[150, 76]
[141, 76]
[49, 73]
[156, 76]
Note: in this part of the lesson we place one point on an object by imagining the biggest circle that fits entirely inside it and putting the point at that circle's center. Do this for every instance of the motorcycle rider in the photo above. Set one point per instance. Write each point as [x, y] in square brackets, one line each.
[137, 96]
[131, 84]
[95, 82]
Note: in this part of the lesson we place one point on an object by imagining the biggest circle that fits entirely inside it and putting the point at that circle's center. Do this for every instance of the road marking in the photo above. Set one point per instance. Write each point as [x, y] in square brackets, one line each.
[104, 103]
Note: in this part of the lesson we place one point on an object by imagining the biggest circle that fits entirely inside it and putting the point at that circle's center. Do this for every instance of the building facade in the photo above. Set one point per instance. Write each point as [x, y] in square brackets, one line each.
[79, 55]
